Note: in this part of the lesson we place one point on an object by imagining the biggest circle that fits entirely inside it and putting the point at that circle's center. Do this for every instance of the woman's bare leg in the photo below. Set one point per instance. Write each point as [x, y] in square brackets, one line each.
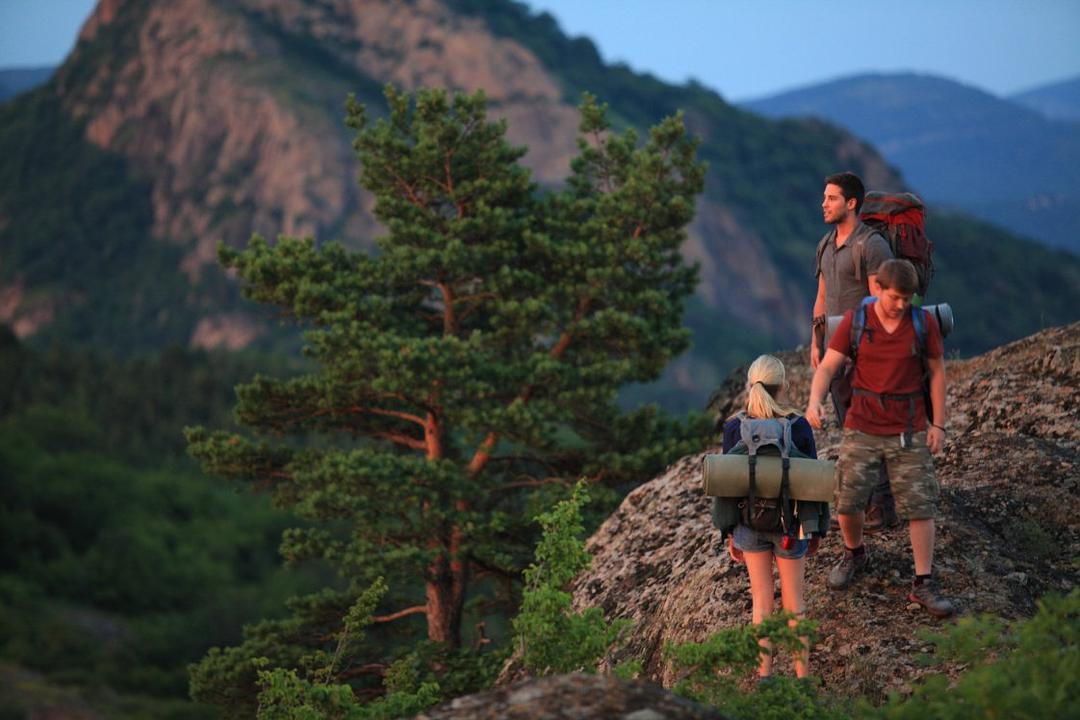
[759, 565]
[791, 595]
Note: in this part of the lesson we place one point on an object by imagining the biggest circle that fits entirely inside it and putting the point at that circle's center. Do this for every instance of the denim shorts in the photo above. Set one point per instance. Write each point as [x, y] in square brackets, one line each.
[750, 540]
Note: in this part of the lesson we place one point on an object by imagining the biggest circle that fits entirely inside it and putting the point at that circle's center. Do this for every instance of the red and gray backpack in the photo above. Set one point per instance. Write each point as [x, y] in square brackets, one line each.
[901, 219]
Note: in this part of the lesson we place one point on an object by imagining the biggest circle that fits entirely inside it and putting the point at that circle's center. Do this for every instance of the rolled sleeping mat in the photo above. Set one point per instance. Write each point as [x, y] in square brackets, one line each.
[729, 476]
[942, 312]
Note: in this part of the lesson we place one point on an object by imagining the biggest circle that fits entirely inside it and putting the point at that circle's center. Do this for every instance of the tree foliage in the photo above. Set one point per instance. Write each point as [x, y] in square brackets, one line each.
[286, 695]
[472, 363]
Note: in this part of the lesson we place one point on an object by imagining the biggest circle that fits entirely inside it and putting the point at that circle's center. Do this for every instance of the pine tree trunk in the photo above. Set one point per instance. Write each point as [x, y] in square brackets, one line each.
[447, 578]
[446, 586]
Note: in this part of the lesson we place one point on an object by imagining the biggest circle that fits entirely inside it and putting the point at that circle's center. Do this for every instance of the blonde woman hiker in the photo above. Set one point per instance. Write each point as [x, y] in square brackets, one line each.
[758, 549]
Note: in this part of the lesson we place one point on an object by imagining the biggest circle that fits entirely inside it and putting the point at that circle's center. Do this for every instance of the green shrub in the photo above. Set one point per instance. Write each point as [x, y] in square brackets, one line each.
[714, 672]
[1027, 669]
[553, 638]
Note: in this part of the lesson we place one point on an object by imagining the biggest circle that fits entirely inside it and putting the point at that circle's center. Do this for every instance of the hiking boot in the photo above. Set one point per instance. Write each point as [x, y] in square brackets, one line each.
[844, 571]
[879, 517]
[928, 595]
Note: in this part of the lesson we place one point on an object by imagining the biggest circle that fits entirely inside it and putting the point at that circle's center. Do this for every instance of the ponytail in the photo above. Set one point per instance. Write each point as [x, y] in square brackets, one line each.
[765, 379]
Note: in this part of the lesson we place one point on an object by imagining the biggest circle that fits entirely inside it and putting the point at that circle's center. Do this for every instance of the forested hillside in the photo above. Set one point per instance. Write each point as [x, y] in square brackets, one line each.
[120, 562]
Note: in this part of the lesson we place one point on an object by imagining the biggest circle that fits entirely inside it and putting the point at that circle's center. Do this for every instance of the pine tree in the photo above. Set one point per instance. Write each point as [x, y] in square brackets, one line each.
[469, 367]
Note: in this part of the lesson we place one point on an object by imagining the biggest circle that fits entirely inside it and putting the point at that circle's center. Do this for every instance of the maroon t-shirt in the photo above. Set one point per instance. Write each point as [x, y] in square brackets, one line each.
[887, 363]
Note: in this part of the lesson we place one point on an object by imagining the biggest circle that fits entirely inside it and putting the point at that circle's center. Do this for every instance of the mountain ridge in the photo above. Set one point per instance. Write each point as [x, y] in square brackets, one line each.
[1057, 101]
[958, 145]
[224, 116]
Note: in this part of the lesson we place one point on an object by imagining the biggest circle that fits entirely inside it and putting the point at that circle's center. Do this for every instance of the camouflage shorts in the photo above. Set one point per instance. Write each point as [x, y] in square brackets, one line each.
[911, 474]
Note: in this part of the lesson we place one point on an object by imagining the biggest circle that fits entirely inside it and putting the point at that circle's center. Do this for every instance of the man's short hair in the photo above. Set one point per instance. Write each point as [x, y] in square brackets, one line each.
[851, 186]
[898, 275]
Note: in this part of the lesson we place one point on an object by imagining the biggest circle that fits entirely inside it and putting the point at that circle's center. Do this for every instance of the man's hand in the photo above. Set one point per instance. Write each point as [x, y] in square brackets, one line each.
[935, 439]
[815, 413]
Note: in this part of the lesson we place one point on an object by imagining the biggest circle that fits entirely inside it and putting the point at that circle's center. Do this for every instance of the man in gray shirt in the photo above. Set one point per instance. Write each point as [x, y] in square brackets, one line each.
[847, 261]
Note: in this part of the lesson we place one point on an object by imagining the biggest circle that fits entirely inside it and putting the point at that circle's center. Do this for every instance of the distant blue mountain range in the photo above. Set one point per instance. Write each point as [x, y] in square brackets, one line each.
[1058, 101]
[16, 80]
[958, 146]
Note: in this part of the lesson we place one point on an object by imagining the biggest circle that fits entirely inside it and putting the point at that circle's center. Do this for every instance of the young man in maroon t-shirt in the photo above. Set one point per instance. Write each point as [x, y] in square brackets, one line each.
[889, 423]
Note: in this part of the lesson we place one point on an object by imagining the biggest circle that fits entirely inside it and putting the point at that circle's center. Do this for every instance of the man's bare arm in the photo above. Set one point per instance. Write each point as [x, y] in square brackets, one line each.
[819, 311]
[935, 434]
[826, 370]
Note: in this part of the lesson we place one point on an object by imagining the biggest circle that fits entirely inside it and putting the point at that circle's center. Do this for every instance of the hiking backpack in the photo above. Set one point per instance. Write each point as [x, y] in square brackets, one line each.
[919, 321]
[901, 219]
[768, 436]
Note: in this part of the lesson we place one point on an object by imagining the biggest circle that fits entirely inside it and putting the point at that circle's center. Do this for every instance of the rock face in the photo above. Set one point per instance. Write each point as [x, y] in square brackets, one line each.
[231, 113]
[1007, 533]
[573, 697]
[197, 99]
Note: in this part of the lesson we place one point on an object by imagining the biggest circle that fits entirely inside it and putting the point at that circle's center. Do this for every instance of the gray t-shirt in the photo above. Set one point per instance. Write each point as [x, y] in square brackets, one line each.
[843, 290]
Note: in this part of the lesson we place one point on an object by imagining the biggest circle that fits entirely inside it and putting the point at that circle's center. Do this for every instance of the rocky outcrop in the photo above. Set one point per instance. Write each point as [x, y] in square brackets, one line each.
[1008, 532]
[199, 104]
[25, 314]
[573, 697]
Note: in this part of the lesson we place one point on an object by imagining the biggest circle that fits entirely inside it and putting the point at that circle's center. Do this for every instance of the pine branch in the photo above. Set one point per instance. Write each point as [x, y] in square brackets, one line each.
[483, 453]
[400, 439]
[415, 610]
[362, 410]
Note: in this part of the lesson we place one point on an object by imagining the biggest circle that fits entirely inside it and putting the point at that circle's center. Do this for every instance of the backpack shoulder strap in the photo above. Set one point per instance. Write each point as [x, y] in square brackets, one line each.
[858, 255]
[785, 448]
[745, 432]
[918, 319]
[822, 244]
[858, 325]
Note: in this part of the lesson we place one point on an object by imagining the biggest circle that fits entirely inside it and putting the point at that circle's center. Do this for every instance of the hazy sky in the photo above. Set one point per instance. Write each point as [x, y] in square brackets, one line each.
[742, 48]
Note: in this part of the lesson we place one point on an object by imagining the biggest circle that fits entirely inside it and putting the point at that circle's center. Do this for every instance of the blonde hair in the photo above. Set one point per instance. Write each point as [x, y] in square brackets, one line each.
[764, 379]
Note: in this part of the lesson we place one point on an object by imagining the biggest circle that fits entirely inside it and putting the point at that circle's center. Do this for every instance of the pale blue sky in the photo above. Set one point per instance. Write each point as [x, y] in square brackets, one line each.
[742, 48]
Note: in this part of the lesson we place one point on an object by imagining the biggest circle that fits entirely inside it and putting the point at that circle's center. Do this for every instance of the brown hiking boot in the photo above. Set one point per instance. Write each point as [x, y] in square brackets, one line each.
[878, 518]
[843, 572]
[928, 595]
